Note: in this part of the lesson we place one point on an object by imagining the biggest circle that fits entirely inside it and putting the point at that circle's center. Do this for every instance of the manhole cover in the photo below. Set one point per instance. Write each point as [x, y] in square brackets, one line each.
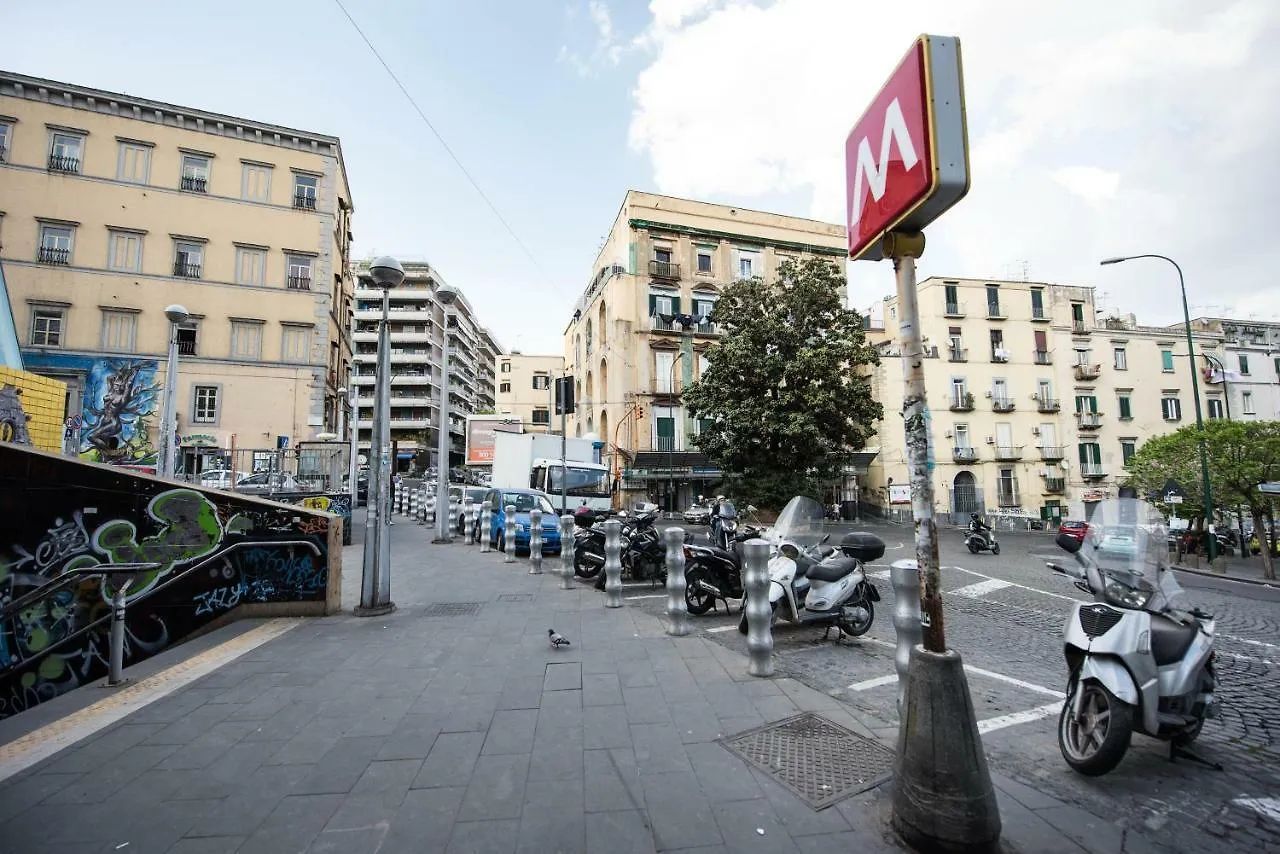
[452, 609]
[515, 597]
[821, 762]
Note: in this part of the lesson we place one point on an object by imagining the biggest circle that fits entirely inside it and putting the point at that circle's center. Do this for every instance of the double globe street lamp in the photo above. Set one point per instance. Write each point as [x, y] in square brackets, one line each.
[166, 448]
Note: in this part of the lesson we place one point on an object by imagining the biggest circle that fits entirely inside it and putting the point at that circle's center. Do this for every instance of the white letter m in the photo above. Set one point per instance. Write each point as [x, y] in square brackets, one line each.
[895, 127]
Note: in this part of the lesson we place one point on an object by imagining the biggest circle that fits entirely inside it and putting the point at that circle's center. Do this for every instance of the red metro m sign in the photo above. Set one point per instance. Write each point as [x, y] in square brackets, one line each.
[907, 158]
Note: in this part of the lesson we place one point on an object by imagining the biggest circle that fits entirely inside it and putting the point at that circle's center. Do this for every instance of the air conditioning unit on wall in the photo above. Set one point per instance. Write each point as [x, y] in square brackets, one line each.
[991, 440]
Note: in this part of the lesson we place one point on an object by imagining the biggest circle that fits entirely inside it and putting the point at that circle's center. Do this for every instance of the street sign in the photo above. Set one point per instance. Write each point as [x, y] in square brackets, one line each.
[1271, 487]
[1173, 498]
[907, 158]
[564, 396]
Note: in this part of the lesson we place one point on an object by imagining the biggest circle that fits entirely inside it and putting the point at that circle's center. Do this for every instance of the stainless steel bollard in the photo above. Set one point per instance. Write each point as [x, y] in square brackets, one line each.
[758, 614]
[677, 607]
[567, 544]
[115, 655]
[422, 505]
[535, 541]
[613, 564]
[429, 517]
[904, 575]
[509, 534]
[486, 524]
[469, 515]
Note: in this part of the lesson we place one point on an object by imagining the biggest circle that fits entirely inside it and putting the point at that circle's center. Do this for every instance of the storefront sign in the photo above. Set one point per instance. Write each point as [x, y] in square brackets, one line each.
[899, 493]
[199, 440]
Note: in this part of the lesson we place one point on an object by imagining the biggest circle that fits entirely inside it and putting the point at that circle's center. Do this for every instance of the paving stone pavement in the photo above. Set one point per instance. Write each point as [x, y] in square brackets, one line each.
[468, 733]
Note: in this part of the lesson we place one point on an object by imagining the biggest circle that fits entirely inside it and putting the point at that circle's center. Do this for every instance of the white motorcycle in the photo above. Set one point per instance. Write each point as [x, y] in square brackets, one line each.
[814, 585]
[1137, 661]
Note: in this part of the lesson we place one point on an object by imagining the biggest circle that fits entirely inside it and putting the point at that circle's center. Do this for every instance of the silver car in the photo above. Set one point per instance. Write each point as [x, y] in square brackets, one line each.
[265, 483]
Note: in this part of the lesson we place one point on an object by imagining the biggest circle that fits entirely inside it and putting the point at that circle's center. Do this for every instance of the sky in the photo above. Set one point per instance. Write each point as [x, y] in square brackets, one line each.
[1095, 128]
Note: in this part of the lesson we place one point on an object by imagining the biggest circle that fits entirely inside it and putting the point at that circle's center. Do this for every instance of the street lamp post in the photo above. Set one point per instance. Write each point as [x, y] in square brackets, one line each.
[375, 585]
[445, 295]
[1211, 544]
[165, 450]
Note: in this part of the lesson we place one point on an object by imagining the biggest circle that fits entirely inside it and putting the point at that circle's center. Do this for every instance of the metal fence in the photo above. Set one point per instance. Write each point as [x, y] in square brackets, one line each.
[309, 467]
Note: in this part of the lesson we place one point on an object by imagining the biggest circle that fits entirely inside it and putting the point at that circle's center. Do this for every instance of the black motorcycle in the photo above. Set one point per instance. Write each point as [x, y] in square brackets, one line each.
[644, 556]
[713, 574]
[724, 523]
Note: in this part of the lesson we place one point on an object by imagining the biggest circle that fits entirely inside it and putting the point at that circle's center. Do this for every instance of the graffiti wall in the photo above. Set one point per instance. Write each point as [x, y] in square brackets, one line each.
[338, 503]
[32, 409]
[210, 552]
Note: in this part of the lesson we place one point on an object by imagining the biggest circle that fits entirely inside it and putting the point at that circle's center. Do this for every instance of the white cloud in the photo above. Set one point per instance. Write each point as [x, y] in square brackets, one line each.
[607, 50]
[1093, 131]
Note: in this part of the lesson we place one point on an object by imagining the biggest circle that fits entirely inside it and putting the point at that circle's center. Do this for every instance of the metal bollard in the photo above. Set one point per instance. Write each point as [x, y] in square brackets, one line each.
[567, 544]
[677, 607]
[400, 491]
[486, 523]
[758, 614]
[509, 534]
[469, 515]
[115, 660]
[535, 541]
[422, 505]
[613, 564]
[904, 575]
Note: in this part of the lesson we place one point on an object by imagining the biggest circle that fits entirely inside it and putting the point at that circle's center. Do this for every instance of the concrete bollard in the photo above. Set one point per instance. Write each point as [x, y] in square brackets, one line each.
[757, 613]
[535, 541]
[677, 607]
[486, 523]
[567, 544]
[509, 534]
[469, 515]
[904, 575]
[400, 493]
[613, 564]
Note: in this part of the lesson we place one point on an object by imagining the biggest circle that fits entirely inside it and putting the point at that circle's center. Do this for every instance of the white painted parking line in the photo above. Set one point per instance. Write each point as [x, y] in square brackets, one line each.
[1016, 584]
[993, 724]
[1009, 680]
[1252, 642]
[872, 683]
[650, 596]
[719, 629]
[1268, 807]
[982, 588]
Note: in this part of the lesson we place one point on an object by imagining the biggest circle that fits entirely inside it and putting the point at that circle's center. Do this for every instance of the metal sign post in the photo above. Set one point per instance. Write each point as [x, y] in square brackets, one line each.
[564, 404]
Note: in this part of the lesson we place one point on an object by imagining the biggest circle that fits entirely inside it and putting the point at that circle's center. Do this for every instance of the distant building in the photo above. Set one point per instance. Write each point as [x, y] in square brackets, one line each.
[1243, 375]
[525, 386]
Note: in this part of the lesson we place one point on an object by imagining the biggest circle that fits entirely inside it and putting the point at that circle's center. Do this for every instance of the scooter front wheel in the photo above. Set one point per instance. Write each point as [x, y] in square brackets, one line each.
[995, 548]
[1094, 743]
[973, 547]
[854, 628]
[697, 600]
[581, 567]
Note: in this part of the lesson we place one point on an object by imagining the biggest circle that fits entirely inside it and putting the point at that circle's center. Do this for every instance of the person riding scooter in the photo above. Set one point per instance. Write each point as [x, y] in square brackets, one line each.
[977, 526]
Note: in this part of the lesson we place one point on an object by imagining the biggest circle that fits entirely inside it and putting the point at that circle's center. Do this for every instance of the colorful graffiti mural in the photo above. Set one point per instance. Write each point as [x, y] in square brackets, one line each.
[121, 398]
[338, 503]
[214, 551]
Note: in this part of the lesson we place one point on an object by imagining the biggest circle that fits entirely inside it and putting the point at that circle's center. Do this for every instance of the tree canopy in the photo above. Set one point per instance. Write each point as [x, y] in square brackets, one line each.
[784, 403]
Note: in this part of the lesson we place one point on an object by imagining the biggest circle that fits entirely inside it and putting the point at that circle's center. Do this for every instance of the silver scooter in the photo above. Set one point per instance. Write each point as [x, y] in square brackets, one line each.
[1137, 661]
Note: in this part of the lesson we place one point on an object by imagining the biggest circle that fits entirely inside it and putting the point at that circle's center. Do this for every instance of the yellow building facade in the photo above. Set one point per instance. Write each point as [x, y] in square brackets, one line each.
[32, 409]
[113, 207]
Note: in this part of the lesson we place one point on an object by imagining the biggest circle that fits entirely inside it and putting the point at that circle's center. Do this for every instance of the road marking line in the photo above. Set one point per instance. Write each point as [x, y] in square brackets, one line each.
[1000, 677]
[980, 589]
[719, 629]
[35, 746]
[1269, 807]
[993, 724]
[1016, 584]
[1251, 642]
[650, 596]
[873, 683]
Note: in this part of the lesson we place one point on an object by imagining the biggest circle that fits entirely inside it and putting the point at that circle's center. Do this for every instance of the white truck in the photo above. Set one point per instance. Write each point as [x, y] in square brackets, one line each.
[532, 460]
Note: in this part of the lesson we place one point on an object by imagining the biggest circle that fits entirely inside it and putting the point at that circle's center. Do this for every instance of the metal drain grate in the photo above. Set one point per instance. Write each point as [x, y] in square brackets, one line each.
[820, 761]
[515, 597]
[452, 609]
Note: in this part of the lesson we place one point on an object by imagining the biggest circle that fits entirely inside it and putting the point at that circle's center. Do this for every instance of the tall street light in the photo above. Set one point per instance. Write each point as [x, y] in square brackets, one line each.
[445, 295]
[165, 450]
[375, 583]
[1212, 544]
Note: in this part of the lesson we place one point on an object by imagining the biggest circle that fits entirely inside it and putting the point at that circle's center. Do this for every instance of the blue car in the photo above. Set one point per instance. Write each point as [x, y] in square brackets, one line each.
[523, 500]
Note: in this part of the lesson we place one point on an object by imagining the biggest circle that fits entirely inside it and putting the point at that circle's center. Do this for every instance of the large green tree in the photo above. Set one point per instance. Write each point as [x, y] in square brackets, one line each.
[784, 401]
[1242, 454]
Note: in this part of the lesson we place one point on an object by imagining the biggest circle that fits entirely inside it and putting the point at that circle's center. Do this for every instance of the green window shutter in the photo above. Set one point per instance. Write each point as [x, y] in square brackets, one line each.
[1093, 404]
[1084, 454]
[1166, 360]
[1125, 405]
[631, 258]
[666, 428]
[653, 304]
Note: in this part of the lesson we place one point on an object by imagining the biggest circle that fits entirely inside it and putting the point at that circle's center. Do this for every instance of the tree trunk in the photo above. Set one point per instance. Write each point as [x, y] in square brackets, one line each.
[1264, 542]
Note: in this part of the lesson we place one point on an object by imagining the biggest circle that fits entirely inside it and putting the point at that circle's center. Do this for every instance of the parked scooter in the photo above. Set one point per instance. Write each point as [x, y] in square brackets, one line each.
[981, 537]
[1137, 661]
[713, 574]
[829, 593]
[724, 522]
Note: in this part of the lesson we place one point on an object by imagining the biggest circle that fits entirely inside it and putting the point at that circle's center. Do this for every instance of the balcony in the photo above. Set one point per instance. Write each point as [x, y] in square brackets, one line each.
[964, 455]
[1092, 471]
[1052, 453]
[1088, 420]
[186, 348]
[1047, 405]
[1088, 372]
[1079, 327]
[957, 354]
[1000, 355]
[962, 402]
[1043, 357]
[54, 255]
[664, 270]
[953, 309]
[1002, 404]
[1039, 314]
[1007, 495]
[994, 312]
[186, 269]
[1055, 485]
[657, 324]
[195, 184]
[664, 443]
[304, 201]
[298, 283]
[706, 329]
[63, 163]
[1008, 453]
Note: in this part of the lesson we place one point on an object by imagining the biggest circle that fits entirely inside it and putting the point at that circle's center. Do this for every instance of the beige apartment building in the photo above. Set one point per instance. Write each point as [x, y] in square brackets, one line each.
[113, 207]
[640, 331]
[1036, 401]
[525, 388]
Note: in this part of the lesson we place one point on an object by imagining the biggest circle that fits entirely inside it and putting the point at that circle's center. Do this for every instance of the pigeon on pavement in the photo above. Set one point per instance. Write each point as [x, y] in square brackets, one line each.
[557, 640]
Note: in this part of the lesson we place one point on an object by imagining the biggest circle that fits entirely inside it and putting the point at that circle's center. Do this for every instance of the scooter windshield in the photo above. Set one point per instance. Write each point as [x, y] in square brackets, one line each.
[800, 522]
[1127, 539]
[727, 510]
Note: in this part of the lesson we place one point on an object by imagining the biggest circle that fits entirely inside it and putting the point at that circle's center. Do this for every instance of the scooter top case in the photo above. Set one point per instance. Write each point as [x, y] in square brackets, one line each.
[864, 546]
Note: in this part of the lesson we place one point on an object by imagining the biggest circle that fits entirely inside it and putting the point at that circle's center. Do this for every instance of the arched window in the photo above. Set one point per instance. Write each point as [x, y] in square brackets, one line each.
[601, 324]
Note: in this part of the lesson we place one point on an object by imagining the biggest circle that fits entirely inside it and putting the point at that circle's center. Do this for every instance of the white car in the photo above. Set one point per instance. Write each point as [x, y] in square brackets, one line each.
[264, 483]
[220, 478]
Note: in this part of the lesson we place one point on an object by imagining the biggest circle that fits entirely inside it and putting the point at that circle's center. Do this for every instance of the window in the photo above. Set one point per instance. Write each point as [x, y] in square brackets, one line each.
[255, 182]
[298, 276]
[952, 299]
[1086, 403]
[703, 365]
[119, 331]
[188, 334]
[246, 339]
[1244, 364]
[1125, 404]
[664, 362]
[1083, 356]
[662, 254]
[541, 382]
[46, 326]
[65, 152]
[1170, 407]
[505, 387]
[1037, 304]
[124, 251]
[993, 301]
[304, 191]
[1246, 402]
[55, 244]
[294, 343]
[188, 259]
[1090, 459]
[1128, 447]
[1121, 359]
[961, 433]
[6, 141]
[506, 367]
[205, 410]
[1277, 366]
[702, 309]
[1000, 392]
[1215, 407]
[998, 353]
[705, 254]
[1166, 361]
[541, 416]
[748, 264]
[195, 173]
[251, 265]
[133, 162]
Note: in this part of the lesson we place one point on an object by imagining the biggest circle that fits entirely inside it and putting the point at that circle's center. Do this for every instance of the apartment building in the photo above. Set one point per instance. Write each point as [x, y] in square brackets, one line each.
[641, 329]
[417, 324]
[113, 207]
[1036, 403]
[1243, 375]
[525, 388]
